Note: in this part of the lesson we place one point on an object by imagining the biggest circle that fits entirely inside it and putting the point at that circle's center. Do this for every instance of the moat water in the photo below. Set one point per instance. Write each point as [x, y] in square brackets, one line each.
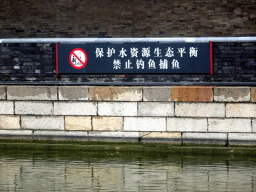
[106, 171]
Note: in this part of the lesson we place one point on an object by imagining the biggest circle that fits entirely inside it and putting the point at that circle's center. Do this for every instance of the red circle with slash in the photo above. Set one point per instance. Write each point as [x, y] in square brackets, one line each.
[78, 58]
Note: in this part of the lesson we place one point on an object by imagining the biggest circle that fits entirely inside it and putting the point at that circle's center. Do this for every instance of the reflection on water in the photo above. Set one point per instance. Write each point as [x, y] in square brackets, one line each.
[89, 171]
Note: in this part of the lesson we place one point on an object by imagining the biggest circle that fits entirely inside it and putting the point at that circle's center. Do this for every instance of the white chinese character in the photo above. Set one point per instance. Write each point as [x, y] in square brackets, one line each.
[111, 52]
[169, 52]
[175, 64]
[145, 52]
[158, 52]
[181, 51]
[122, 53]
[151, 64]
[99, 52]
[140, 63]
[163, 64]
[128, 64]
[134, 52]
[193, 51]
[117, 64]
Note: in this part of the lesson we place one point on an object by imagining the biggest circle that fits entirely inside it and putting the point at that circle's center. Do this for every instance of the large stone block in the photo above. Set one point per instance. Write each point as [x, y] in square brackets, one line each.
[242, 139]
[200, 109]
[6, 107]
[75, 108]
[73, 93]
[2, 92]
[156, 93]
[187, 124]
[78, 123]
[115, 93]
[107, 123]
[161, 137]
[113, 134]
[192, 94]
[47, 134]
[240, 110]
[34, 107]
[144, 124]
[231, 94]
[253, 94]
[155, 109]
[31, 93]
[205, 138]
[229, 125]
[42, 122]
[16, 132]
[9, 122]
[117, 109]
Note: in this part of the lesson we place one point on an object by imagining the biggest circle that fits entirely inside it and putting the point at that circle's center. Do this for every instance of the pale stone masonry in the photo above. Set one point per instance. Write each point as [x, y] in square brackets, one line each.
[170, 114]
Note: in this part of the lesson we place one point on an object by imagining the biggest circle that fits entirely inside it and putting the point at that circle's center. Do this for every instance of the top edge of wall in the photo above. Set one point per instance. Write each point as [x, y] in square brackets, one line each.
[129, 40]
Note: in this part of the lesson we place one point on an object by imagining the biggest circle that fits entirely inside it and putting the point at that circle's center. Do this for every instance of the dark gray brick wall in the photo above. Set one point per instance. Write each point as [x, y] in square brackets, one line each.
[36, 62]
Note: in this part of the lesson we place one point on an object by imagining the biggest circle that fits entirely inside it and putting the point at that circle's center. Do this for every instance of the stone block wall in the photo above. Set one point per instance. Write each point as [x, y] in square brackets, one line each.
[176, 114]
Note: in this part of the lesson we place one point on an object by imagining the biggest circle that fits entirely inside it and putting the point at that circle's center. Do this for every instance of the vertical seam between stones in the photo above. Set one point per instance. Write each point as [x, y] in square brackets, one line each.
[20, 122]
[142, 94]
[122, 123]
[58, 98]
[207, 119]
[251, 126]
[91, 123]
[5, 89]
[97, 108]
[14, 107]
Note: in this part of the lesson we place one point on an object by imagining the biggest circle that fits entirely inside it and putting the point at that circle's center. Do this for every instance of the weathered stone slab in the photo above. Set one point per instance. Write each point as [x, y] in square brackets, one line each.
[115, 93]
[187, 124]
[107, 123]
[9, 122]
[113, 134]
[156, 93]
[231, 94]
[242, 139]
[6, 107]
[144, 124]
[42, 122]
[192, 94]
[78, 123]
[155, 109]
[200, 109]
[73, 93]
[16, 132]
[240, 110]
[117, 109]
[3, 92]
[56, 134]
[205, 138]
[34, 107]
[75, 108]
[229, 125]
[31, 93]
[161, 137]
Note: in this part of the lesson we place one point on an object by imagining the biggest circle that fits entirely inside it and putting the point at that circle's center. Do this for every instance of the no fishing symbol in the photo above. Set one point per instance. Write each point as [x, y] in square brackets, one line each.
[78, 58]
